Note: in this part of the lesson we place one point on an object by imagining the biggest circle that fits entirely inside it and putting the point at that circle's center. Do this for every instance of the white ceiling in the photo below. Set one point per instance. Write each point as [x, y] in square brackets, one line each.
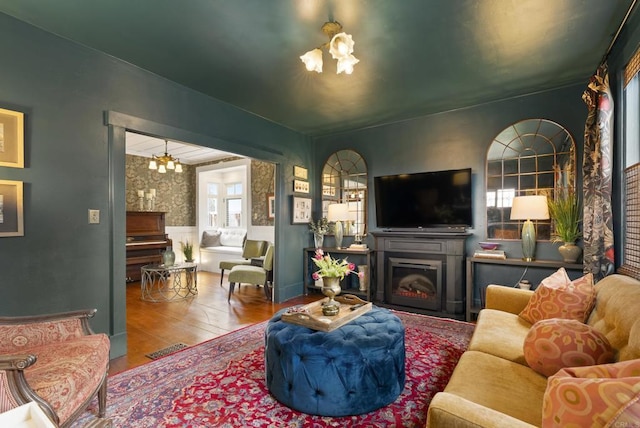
[189, 154]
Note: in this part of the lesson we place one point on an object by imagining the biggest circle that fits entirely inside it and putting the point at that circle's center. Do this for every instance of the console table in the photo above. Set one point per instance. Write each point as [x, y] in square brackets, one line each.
[472, 309]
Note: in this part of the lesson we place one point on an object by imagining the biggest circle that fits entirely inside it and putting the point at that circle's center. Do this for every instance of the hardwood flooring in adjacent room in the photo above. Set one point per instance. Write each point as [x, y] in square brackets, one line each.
[154, 326]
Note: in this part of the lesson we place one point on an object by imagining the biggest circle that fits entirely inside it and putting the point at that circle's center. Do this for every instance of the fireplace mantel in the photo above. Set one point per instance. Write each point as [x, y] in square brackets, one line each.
[445, 247]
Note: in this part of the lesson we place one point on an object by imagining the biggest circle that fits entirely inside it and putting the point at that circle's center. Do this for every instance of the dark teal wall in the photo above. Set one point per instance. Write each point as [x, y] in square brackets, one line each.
[75, 162]
[460, 139]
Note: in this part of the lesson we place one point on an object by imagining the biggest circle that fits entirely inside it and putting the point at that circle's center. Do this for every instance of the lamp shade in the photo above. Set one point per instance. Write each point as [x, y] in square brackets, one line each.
[530, 208]
[338, 212]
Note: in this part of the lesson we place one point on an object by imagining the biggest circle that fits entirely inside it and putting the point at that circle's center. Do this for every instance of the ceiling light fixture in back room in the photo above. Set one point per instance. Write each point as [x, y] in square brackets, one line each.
[340, 47]
[164, 162]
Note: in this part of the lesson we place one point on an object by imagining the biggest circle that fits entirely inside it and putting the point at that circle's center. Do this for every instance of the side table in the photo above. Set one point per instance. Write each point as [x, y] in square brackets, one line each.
[472, 309]
[169, 283]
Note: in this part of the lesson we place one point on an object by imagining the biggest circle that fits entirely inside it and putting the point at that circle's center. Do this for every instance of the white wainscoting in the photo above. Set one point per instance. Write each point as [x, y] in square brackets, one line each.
[264, 233]
[183, 234]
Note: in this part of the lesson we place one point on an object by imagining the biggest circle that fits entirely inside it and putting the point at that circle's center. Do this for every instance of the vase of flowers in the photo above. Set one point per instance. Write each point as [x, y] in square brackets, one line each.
[332, 271]
[319, 229]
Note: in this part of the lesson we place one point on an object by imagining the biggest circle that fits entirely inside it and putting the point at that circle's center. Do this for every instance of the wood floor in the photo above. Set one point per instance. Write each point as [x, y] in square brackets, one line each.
[154, 326]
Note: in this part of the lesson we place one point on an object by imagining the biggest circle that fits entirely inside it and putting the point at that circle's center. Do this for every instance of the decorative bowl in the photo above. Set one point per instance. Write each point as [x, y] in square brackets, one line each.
[488, 245]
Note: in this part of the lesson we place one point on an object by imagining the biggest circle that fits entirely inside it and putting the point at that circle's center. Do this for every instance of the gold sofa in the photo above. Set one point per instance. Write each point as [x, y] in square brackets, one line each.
[492, 385]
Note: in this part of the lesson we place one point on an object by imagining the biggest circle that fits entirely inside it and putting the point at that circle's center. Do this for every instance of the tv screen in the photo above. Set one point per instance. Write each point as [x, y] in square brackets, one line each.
[424, 200]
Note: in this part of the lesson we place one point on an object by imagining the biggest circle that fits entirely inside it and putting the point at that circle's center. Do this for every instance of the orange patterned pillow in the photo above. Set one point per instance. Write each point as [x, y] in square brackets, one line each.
[557, 343]
[552, 299]
[607, 395]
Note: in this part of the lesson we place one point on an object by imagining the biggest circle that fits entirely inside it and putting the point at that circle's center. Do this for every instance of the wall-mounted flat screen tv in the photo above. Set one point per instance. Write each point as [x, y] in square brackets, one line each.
[438, 199]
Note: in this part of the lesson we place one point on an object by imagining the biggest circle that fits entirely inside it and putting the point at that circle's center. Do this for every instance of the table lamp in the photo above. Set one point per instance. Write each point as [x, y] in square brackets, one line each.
[529, 208]
[338, 213]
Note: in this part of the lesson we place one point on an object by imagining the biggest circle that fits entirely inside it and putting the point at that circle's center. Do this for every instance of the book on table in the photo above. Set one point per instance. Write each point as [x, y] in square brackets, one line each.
[490, 254]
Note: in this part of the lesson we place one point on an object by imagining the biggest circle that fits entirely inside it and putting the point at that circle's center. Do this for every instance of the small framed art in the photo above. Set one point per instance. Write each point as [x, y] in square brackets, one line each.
[11, 214]
[271, 205]
[300, 172]
[301, 212]
[11, 138]
[300, 186]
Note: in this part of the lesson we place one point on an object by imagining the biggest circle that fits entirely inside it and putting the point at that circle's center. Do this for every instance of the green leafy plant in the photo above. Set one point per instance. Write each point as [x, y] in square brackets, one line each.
[566, 213]
[187, 250]
[320, 227]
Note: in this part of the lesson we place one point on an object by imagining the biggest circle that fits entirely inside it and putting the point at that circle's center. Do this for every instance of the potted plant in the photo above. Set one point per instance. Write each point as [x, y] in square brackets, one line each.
[566, 213]
[187, 250]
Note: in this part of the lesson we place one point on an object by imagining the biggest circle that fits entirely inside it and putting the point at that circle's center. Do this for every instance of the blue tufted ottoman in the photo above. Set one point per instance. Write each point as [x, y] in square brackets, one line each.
[354, 369]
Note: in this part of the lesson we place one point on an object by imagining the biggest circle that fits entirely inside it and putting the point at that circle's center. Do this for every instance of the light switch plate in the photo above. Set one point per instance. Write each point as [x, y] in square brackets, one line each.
[94, 216]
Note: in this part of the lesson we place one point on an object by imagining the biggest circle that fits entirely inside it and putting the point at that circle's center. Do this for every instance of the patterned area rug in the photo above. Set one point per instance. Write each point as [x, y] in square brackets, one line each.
[220, 383]
[166, 351]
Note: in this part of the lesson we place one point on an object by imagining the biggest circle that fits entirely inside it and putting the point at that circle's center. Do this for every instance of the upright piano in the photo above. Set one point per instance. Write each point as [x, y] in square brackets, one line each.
[146, 240]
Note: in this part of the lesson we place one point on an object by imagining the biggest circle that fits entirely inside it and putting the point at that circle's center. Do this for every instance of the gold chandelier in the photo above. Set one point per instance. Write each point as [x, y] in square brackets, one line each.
[164, 162]
[340, 47]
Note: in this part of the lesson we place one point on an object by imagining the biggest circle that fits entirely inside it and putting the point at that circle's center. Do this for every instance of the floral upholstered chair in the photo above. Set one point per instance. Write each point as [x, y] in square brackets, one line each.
[55, 360]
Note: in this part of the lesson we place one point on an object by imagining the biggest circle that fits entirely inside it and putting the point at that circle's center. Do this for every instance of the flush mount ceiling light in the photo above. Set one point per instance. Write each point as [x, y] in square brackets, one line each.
[340, 47]
[164, 162]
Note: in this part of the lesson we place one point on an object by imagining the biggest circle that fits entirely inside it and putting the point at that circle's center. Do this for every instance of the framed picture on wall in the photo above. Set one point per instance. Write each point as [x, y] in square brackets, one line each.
[300, 172]
[301, 212]
[11, 215]
[300, 186]
[11, 138]
[271, 205]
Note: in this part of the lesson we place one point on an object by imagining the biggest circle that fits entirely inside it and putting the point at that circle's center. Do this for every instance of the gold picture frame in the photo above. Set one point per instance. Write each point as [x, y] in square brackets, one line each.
[11, 138]
[300, 172]
[11, 211]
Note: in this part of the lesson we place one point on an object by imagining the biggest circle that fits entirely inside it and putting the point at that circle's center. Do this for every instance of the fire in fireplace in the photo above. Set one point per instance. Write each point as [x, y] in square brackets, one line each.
[415, 282]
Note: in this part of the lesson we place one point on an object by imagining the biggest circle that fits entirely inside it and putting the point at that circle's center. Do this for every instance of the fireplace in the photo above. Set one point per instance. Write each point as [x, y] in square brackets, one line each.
[421, 271]
[415, 282]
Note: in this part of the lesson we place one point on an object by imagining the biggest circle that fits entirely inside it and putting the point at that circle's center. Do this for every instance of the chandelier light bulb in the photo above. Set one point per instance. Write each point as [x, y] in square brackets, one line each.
[171, 165]
[162, 169]
[341, 46]
[313, 60]
[178, 167]
[346, 64]
[153, 164]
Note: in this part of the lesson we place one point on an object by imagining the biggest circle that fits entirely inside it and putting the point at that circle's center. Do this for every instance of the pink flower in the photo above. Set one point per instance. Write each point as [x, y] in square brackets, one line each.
[319, 254]
[360, 274]
[352, 267]
[315, 276]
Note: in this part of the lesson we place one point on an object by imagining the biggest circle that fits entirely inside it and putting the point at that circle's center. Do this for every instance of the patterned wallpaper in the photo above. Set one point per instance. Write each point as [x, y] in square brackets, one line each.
[262, 185]
[176, 193]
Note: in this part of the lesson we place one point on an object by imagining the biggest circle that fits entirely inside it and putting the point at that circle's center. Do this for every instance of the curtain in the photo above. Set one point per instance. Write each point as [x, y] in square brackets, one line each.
[597, 175]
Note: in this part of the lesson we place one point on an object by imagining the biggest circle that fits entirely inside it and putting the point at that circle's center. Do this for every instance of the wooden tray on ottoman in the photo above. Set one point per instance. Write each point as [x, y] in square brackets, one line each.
[310, 316]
